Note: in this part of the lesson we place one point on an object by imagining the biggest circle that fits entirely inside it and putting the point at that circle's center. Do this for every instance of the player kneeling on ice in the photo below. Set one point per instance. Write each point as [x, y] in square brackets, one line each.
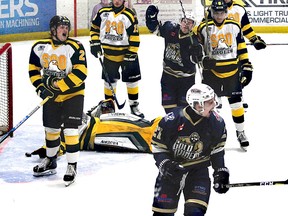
[105, 130]
[186, 142]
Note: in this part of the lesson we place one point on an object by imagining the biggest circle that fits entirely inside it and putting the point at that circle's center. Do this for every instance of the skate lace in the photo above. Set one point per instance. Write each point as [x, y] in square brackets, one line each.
[70, 170]
[44, 163]
[242, 136]
[135, 109]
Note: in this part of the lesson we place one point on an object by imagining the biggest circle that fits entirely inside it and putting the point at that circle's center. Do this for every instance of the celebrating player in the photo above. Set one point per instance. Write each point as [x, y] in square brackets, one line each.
[182, 51]
[185, 143]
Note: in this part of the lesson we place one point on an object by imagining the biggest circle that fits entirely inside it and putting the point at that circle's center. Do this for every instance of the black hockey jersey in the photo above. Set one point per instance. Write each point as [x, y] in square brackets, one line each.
[193, 144]
[176, 57]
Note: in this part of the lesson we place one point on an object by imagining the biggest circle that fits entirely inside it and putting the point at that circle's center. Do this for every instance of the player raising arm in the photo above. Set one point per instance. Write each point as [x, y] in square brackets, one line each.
[182, 51]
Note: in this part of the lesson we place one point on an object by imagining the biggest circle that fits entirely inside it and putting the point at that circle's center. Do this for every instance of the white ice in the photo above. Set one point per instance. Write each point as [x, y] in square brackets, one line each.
[122, 183]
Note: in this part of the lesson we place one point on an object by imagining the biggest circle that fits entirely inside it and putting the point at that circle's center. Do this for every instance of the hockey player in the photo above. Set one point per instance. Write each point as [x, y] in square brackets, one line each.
[226, 51]
[237, 12]
[115, 30]
[182, 51]
[105, 130]
[57, 69]
[185, 143]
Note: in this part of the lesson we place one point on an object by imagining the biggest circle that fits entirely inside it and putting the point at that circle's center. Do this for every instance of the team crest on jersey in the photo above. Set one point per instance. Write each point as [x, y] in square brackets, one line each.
[222, 47]
[188, 147]
[169, 117]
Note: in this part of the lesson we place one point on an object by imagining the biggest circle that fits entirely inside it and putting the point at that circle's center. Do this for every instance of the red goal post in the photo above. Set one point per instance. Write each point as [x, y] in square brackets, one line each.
[6, 90]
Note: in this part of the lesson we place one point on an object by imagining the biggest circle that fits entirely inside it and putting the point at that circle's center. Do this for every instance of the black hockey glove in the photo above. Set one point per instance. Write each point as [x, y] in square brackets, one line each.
[208, 63]
[258, 42]
[196, 51]
[43, 92]
[221, 178]
[95, 48]
[48, 82]
[246, 75]
[151, 18]
[172, 170]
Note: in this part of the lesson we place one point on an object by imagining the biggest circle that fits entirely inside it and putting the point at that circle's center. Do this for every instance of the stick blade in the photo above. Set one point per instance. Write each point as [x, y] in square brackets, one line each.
[120, 106]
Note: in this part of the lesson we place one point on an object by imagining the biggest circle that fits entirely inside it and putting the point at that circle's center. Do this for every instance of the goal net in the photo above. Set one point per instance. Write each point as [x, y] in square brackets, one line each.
[6, 99]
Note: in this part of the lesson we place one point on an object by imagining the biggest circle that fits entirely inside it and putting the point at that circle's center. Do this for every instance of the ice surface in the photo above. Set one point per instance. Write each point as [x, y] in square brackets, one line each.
[122, 183]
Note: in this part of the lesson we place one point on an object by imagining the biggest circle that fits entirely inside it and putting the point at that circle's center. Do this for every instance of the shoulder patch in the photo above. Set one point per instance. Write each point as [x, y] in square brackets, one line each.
[169, 117]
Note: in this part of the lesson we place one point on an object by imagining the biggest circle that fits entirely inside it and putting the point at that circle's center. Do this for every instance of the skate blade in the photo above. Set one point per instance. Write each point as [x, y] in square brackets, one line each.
[45, 173]
[244, 148]
[67, 183]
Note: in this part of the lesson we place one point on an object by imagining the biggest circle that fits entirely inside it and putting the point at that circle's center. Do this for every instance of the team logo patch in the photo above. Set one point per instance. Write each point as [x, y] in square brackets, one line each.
[169, 117]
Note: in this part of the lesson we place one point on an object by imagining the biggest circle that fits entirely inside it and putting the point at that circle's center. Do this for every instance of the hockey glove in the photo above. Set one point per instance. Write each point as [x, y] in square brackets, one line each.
[258, 42]
[208, 63]
[151, 18]
[221, 178]
[48, 82]
[172, 170]
[43, 92]
[196, 52]
[246, 75]
[95, 48]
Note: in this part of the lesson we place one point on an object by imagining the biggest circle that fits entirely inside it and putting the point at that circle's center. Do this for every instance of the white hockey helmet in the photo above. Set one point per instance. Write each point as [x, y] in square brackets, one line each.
[198, 94]
[190, 15]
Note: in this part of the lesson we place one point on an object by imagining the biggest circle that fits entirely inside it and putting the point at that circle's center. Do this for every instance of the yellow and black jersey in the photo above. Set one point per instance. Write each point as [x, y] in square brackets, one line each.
[237, 12]
[226, 44]
[66, 61]
[117, 31]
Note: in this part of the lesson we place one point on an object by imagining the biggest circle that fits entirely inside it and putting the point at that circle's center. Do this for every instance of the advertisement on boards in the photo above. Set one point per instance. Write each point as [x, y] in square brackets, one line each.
[267, 12]
[22, 16]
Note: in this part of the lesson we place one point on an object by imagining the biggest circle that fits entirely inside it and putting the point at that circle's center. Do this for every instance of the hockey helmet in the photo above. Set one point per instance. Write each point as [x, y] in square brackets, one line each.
[219, 5]
[198, 94]
[59, 20]
[188, 21]
[189, 15]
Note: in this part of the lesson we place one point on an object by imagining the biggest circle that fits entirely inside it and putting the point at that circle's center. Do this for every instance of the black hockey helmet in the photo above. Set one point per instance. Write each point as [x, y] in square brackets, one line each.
[219, 5]
[59, 20]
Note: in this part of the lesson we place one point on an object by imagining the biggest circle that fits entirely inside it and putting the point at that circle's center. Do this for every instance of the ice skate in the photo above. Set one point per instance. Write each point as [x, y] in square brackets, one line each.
[70, 175]
[135, 110]
[241, 137]
[46, 167]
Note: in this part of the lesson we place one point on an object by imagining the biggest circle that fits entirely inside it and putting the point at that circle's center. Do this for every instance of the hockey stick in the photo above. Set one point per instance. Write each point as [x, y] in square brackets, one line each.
[263, 183]
[191, 39]
[23, 120]
[270, 44]
[120, 106]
